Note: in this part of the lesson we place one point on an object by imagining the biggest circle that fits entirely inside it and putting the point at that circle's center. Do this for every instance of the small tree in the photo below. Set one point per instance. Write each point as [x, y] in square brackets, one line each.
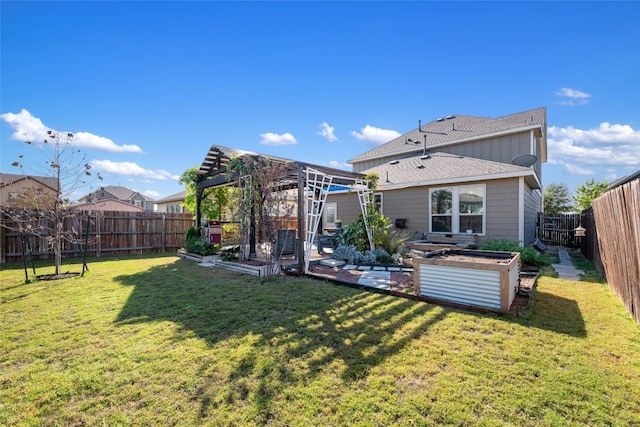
[588, 191]
[263, 201]
[557, 199]
[214, 201]
[44, 213]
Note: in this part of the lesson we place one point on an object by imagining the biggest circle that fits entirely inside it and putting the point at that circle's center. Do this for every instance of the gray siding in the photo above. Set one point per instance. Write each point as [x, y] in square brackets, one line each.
[502, 209]
[413, 204]
[532, 205]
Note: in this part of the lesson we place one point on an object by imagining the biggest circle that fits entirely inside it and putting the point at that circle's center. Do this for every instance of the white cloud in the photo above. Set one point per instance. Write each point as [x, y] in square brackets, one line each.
[328, 132]
[152, 194]
[337, 165]
[581, 151]
[575, 97]
[29, 128]
[130, 168]
[270, 138]
[578, 170]
[375, 135]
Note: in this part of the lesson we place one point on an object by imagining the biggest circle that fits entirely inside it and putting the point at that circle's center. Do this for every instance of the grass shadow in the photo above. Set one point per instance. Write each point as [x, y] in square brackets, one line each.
[555, 313]
[317, 323]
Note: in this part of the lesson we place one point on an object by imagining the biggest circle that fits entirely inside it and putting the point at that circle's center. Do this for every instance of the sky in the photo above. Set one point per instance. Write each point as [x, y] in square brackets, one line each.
[147, 87]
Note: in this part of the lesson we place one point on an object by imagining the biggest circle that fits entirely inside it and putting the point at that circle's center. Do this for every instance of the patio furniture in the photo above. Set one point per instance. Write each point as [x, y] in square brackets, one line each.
[329, 240]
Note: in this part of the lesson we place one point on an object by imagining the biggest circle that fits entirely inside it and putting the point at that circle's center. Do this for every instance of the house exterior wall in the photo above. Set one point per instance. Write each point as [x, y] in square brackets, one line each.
[502, 219]
[20, 186]
[532, 205]
[502, 209]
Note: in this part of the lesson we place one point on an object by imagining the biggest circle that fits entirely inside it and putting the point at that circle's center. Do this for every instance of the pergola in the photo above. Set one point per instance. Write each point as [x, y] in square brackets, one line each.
[313, 183]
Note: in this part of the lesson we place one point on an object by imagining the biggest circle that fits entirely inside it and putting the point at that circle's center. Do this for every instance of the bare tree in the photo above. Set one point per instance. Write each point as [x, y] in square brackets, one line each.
[43, 213]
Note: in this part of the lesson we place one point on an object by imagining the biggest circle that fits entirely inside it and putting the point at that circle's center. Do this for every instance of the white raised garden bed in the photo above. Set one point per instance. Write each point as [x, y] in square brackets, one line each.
[483, 279]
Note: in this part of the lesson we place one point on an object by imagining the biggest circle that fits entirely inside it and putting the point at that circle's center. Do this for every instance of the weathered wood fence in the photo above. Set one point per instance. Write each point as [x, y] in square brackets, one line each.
[557, 229]
[617, 227]
[107, 233]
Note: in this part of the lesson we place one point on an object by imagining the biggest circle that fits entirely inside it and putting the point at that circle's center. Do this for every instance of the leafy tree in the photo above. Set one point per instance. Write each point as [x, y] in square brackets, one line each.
[45, 214]
[213, 202]
[588, 191]
[557, 199]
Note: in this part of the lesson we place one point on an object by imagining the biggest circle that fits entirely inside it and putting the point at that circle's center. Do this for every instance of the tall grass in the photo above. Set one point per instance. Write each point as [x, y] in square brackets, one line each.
[162, 341]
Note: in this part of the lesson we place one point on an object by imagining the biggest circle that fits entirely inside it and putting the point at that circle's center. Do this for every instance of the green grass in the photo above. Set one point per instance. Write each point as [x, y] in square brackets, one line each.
[162, 341]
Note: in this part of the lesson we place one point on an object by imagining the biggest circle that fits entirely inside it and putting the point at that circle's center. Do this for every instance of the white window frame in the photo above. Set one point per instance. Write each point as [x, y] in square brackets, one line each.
[375, 201]
[325, 213]
[455, 214]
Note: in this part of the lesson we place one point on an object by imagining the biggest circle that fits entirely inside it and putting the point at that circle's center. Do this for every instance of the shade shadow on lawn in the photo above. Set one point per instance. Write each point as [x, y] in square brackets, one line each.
[299, 317]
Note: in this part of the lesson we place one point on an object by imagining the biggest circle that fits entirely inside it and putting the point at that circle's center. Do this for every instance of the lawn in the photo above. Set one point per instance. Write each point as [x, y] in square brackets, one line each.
[162, 341]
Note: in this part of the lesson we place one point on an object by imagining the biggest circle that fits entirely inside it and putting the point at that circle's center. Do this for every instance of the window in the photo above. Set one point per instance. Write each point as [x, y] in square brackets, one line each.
[330, 215]
[137, 203]
[377, 202]
[457, 209]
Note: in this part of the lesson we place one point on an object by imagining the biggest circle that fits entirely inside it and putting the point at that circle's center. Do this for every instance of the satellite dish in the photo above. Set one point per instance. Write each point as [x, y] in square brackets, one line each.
[525, 160]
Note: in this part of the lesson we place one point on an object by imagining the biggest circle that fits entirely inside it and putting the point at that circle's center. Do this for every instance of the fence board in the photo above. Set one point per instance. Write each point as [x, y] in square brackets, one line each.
[617, 225]
[557, 229]
[110, 232]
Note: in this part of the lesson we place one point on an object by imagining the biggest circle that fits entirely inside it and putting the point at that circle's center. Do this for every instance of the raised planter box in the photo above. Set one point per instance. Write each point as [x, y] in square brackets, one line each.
[483, 279]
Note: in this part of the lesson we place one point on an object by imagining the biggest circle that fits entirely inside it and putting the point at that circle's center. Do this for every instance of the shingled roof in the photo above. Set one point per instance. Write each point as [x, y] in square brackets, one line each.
[10, 178]
[455, 129]
[443, 168]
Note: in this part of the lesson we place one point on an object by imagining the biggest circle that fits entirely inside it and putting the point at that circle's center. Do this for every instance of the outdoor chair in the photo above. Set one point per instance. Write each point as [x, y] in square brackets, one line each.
[328, 240]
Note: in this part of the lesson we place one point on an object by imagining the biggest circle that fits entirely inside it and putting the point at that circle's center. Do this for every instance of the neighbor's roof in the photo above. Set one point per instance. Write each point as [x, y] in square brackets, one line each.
[454, 129]
[444, 168]
[123, 193]
[178, 197]
[10, 178]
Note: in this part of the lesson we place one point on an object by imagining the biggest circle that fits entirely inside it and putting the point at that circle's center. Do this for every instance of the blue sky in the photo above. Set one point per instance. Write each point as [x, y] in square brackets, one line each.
[147, 87]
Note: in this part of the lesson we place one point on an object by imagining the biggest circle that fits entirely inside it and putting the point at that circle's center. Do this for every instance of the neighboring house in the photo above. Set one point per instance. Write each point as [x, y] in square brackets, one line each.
[109, 205]
[120, 193]
[458, 174]
[13, 185]
[172, 204]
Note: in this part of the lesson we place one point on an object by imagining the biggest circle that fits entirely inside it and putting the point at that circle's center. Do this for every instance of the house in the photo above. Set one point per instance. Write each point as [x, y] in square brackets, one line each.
[120, 193]
[109, 205]
[457, 174]
[172, 204]
[14, 185]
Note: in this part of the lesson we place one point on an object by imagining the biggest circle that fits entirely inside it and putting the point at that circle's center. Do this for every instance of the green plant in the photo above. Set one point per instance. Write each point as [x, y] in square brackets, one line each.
[191, 240]
[348, 253]
[383, 257]
[394, 241]
[230, 254]
[528, 254]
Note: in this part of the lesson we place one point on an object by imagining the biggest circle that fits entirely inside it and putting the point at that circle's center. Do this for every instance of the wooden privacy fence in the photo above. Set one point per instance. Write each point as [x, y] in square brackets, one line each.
[106, 232]
[589, 243]
[617, 221]
[557, 229]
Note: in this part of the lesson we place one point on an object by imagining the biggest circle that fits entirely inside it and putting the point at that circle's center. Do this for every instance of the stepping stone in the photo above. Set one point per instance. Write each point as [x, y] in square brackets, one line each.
[330, 262]
[379, 268]
[364, 268]
[350, 267]
[407, 270]
[207, 264]
[376, 279]
[393, 269]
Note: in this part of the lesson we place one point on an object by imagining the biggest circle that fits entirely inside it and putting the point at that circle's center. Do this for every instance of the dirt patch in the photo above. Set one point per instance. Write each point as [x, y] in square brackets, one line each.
[57, 276]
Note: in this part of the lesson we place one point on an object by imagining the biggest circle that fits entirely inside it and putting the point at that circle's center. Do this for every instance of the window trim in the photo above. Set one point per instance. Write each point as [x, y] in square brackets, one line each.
[455, 214]
[381, 202]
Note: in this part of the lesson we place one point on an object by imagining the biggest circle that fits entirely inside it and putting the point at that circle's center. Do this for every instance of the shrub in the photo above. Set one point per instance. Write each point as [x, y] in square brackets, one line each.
[230, 254]
[191, 240]
[394, 240]
[383, 257]
[528, 255]
[348, 253]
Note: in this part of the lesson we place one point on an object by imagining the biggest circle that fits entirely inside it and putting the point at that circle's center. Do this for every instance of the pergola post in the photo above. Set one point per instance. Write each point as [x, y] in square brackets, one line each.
[301, 241]
[199, 193]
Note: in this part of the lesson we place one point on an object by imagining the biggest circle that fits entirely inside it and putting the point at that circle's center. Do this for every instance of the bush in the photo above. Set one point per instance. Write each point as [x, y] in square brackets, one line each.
[191, 240]
[383, 257]
[230, 254]
[348, 253]
[528, 255]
